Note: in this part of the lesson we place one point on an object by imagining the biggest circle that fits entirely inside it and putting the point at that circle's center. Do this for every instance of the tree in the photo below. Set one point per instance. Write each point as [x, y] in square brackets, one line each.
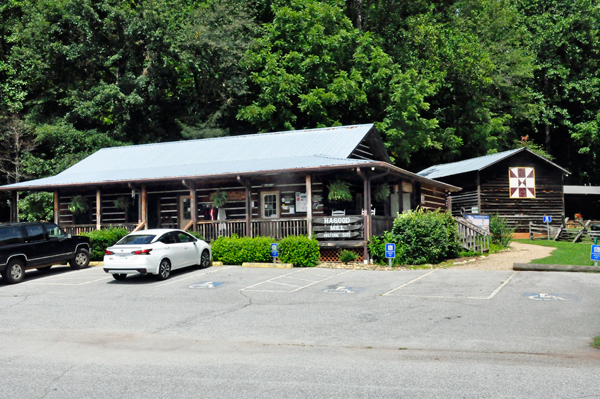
[17, 140]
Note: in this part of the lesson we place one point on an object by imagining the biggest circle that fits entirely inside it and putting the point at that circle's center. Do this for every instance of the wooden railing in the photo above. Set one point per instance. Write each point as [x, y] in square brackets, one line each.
[543, 232]
[276, 228]
[76, 229]
[574, 231]
[472, 238]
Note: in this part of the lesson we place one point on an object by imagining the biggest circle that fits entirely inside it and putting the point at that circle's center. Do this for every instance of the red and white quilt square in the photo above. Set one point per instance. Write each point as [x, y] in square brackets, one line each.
[521, 182]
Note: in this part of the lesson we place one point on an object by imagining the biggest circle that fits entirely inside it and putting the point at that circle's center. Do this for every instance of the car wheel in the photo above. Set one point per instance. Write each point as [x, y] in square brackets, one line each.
[119, 276]
[14, 272]
[44, 269]
[204, 259]
[164, 269]
[81, 259]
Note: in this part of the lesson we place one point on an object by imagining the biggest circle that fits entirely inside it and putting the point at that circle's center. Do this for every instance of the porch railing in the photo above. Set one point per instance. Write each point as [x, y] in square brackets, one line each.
[472, 238]
[76, 229]
[276, 228]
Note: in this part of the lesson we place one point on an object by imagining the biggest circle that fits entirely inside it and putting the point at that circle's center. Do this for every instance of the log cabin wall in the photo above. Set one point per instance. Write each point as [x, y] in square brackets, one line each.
[549, 196]
[468, 197]
[432, 198]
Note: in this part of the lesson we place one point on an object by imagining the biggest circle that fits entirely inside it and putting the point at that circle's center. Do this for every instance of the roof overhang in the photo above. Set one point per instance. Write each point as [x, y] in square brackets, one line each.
[582, 190]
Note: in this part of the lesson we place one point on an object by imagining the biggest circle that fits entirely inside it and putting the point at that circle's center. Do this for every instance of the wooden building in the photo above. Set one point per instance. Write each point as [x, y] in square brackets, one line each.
[517, 184]
[276, 184]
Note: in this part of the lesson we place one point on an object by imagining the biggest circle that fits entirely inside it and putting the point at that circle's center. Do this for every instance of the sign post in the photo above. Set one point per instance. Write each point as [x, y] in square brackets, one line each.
[274, 251]
[548, 220]
[390, 252]
[595, 256]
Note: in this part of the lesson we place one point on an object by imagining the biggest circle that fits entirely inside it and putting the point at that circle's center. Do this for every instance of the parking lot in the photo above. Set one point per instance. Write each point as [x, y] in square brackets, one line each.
[262, 322]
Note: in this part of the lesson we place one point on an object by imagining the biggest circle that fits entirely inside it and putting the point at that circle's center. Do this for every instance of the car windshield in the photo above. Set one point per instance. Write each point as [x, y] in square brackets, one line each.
[136, 239]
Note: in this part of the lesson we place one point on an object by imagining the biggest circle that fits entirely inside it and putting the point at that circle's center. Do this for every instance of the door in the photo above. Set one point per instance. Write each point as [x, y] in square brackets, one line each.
[185, 211]
[269, 204]
[173, 249]
[60, 247]
[190, 249]
[38, 248]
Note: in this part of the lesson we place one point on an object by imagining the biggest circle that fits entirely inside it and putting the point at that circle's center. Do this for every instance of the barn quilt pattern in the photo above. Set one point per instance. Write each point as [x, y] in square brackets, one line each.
[521, 182]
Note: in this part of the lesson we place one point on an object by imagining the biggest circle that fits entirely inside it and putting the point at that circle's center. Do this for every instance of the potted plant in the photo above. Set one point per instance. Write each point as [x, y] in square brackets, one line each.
[78, 205]
[382, 192]
[339, 191]
[219, 198]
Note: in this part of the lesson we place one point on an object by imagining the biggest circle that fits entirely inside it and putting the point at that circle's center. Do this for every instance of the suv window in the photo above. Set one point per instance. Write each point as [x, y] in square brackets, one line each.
[10, 235]
[183, 237]
[35, 232]
[54, 231]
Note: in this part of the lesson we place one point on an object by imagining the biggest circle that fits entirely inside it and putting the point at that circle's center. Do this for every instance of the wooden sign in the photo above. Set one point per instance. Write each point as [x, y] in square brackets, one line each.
[236, 196]
[407, 187]
[338, 220]
[338, 227]
[340, 234]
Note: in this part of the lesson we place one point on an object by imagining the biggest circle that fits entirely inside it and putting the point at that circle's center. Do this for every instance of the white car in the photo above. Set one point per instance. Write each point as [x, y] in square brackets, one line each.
[155, 251]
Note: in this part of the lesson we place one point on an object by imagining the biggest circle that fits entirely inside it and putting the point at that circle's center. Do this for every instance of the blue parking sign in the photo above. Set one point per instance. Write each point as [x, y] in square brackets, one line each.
[274, 250]
[595, 252]
[390, 250]
[547, 219]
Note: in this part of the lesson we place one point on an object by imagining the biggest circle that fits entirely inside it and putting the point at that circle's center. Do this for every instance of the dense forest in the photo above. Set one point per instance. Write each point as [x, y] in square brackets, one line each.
[442, 80]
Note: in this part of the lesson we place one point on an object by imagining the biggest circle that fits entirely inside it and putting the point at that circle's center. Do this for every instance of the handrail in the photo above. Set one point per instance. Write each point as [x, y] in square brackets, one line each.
[472, 237]
[471, 226]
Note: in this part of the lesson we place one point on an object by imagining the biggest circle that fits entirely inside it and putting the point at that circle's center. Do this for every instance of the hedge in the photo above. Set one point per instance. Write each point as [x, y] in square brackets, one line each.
[235, 250]
[102, 239]
[299, 251]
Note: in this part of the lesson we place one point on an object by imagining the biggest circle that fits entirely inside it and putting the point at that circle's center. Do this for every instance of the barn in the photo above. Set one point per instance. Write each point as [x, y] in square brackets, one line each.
[271, 184]
[518, 184]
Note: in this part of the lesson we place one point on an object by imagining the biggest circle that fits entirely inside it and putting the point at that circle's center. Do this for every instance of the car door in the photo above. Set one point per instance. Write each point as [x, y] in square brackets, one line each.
[173, 249]
[37, 250]
[190, 249]
[60, 248]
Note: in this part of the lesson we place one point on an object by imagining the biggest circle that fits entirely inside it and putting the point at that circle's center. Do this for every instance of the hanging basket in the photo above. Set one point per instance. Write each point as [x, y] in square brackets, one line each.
[79, 204]
[382, 192]
[219, 198]
[339, 191]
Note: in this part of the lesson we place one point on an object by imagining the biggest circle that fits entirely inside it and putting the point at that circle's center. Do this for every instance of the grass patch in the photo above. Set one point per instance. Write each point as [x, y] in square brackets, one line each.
[596, 342]
[566, 253]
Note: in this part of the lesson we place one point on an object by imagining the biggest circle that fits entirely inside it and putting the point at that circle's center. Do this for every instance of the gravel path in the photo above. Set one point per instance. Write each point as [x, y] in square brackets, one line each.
[519, 253]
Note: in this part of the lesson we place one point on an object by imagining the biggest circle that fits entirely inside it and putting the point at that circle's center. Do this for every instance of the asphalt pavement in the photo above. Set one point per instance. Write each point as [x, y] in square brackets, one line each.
[229, 332]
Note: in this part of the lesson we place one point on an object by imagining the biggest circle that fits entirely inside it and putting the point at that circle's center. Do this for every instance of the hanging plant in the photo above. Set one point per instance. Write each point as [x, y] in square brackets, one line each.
[121, 203]
[219, 198]
[382, 192]
[339, 191]
[79, 204]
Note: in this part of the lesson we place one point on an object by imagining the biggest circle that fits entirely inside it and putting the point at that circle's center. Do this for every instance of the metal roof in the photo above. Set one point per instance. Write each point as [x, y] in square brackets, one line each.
[593, 190]
[475, 164]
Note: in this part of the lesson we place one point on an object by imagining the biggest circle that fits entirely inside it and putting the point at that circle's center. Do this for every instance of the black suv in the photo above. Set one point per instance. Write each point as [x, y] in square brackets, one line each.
[38, 246]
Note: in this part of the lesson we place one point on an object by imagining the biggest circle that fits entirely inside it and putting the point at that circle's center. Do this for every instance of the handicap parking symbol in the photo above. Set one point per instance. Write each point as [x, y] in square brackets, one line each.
[340, 290]
[206, 284]
[547, 297]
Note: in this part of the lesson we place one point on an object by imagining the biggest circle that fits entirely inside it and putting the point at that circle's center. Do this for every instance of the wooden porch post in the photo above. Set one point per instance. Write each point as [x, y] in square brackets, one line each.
[56, 209]
[145, 207]
[194, 206]
[248, 210]
[14, 212]
[98, 210]
[309, 205]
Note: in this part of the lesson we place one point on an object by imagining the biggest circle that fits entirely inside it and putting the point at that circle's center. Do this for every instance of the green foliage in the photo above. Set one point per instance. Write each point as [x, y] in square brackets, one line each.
[347, 256]
[382, 192]
[102, 239]
[299, 251]
[121, 203]
[376, 246]
[501, 231]
[235, 250]
[426, 237]
[566, 253]
[79, 204]
[36, 206]
[196, 234]
[339, 191]
[219, 198]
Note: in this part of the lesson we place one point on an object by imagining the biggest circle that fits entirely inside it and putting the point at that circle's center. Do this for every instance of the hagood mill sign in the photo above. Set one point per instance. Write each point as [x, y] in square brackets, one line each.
[338, 227]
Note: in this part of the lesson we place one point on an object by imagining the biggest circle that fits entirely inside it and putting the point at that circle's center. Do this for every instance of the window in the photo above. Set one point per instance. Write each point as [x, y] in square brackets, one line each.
[183, 237]
[168, 238]
[10, 235]
[54, 231]
[136, 239]
[270, 204]
[35, 232]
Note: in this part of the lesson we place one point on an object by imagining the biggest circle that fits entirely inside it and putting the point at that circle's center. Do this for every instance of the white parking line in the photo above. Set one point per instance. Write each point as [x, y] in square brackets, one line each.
[410, 282]
[85, 282]
[270, 281]
[69, 274]
[493, 294]
[173, 281]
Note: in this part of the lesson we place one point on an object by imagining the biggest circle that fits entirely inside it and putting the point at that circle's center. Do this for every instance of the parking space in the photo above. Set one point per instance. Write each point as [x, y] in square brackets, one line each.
[296, 280]
[63, 275]
[451, 284]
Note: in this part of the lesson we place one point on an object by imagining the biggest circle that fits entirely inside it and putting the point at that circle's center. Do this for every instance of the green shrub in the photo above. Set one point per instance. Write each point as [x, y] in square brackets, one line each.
[376, 246]
[299, 251]
[196, 234]
[347, 256]
[425, 237]
[235, 250]
[501, 231]
[102, 239]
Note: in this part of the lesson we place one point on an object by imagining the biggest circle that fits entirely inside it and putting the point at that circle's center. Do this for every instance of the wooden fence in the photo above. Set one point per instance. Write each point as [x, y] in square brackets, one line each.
[276, 228]
[566, 232]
